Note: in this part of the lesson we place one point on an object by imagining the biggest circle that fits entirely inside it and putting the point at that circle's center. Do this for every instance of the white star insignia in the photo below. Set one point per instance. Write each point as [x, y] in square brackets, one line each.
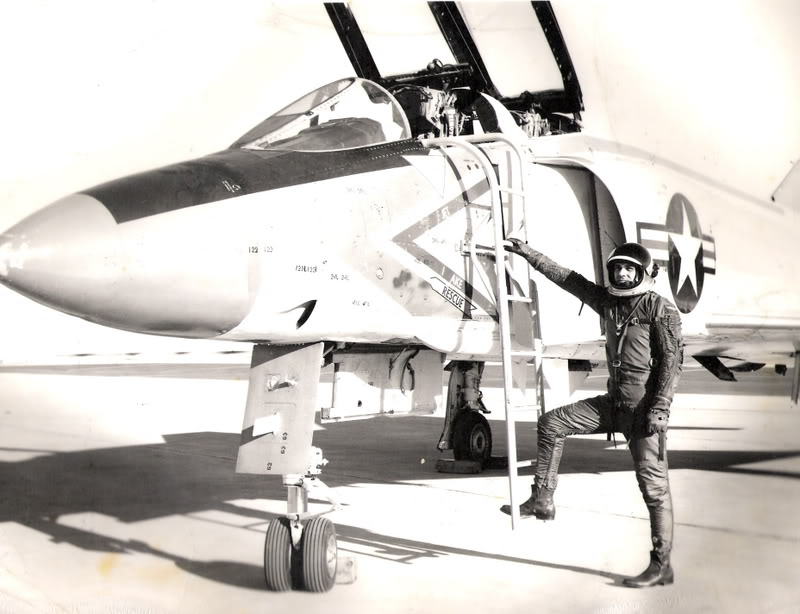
[688, 246]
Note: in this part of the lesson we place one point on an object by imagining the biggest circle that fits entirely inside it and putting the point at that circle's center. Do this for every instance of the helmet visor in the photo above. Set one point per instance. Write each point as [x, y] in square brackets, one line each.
[624, 274]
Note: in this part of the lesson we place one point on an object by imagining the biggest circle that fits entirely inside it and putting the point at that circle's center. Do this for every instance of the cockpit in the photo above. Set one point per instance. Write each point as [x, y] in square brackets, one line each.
[356, 112]
[503, 71]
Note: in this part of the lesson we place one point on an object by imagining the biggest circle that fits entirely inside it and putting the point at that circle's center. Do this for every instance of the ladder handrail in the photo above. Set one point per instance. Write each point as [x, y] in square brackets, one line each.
[513, 146]
[501, 295]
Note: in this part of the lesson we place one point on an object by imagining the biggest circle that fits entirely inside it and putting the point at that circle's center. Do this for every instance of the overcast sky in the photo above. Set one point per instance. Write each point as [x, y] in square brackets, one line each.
[94, 90]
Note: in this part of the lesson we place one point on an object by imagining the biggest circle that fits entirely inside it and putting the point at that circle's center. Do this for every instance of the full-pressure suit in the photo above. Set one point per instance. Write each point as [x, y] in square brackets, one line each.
[644, 350]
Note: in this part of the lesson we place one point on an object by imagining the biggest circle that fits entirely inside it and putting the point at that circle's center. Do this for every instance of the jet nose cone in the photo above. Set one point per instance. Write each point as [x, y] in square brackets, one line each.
[184, 274]
[62, 256]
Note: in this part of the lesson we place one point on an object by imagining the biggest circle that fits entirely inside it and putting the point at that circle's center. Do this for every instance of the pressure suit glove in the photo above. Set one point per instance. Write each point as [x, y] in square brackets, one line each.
[518, 246]
[657, 421]
[658, 415]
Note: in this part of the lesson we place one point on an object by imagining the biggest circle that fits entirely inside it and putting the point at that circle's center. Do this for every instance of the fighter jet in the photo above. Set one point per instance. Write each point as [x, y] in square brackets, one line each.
[362, 226]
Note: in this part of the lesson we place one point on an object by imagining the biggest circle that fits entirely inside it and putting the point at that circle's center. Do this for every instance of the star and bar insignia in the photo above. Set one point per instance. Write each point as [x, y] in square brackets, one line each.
[680, 246]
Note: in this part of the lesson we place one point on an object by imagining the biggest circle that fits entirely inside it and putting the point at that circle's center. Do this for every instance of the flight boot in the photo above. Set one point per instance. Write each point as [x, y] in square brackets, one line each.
[539, 504]
[658, 572]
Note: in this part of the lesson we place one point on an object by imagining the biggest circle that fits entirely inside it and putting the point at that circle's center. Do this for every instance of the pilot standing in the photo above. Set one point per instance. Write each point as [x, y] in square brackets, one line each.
[644, 350]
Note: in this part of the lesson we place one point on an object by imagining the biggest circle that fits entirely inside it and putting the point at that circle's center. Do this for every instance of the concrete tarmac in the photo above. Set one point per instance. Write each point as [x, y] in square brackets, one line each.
[119, 495]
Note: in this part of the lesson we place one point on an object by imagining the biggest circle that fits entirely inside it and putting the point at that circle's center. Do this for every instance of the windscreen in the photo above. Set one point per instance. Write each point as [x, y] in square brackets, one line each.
[340, 115]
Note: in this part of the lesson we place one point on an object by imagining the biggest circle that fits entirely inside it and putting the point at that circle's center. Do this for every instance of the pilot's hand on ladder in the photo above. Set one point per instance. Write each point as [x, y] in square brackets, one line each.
[518, 246]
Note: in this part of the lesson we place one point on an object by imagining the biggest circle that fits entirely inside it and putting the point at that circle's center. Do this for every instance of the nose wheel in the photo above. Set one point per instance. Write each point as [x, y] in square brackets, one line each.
[311, 565]
[472, 437]
[278, 555]
[318, 552]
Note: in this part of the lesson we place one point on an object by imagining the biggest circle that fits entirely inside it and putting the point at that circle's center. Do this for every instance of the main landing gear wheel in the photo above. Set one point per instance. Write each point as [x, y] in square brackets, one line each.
[472, 437]
[278, 550]
[319, 552]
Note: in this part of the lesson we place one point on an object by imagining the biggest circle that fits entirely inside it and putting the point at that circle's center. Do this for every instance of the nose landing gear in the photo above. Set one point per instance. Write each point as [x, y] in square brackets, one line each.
[311, 564]
[300, 549]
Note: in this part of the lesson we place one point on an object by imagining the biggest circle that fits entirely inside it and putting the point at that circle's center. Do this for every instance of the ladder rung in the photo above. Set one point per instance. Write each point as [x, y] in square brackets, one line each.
[520, 299]
[523, 353]
[526, 463]
[484, 249]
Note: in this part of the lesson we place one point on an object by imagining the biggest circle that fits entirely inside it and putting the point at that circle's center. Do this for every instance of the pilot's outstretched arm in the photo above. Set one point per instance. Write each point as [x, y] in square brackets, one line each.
[567, 279]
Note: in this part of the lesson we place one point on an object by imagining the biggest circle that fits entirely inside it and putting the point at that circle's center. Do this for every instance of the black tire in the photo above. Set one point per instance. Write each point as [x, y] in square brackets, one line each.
[472, 437]
[319, 552]
[278, 550]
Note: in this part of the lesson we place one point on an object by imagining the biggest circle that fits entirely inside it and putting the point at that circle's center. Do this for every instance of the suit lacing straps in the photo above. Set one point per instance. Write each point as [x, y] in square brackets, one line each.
[621, 332]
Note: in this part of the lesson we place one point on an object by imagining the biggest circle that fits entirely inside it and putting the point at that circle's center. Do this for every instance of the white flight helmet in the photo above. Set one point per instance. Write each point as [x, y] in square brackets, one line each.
[639, 257]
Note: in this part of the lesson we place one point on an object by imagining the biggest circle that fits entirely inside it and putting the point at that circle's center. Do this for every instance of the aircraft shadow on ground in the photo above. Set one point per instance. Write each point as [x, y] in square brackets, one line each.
[195, 472]
[243, 575]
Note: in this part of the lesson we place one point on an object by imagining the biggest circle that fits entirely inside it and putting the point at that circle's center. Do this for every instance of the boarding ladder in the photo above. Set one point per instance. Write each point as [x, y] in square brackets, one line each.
[520, 337]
